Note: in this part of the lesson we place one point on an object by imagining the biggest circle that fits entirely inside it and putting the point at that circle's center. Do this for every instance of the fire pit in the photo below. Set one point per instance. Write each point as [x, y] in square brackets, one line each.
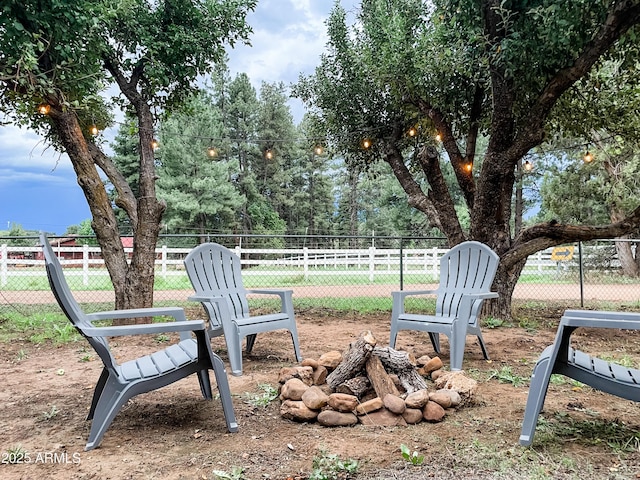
[371, 385]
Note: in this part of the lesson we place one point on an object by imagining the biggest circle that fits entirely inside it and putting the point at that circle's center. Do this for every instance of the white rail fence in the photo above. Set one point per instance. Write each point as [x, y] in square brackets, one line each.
[85, 261]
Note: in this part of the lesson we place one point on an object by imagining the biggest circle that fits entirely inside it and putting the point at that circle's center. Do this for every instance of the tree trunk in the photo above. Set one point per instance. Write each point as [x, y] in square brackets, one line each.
[627, 260]
[504, 283]
[104, 221]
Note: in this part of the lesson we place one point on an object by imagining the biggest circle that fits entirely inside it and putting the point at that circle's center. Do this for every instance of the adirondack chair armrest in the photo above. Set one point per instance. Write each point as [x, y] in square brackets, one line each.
[402, 294]
[145, 329]
[208, 298]
[467, 300]
[271, 291]
[175, 312]
[601, 319]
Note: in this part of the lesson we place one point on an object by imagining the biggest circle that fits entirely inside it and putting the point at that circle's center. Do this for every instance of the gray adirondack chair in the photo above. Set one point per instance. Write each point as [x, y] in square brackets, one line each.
[120, 382]
[466, 275]
[562, 359]
[215, 273]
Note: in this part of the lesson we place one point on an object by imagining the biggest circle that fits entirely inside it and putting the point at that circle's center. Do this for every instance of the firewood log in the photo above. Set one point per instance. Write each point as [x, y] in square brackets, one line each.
[353, 360]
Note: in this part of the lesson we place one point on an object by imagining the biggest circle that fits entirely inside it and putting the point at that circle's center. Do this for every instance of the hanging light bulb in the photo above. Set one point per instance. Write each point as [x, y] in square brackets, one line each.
[588, 157]
[468, 167]
[412, 132]
[212, 152]
[268, 154]
[366, 143]
[154, 144]
[44, 108]
[93, 130]
[438, 137]
[318, 150]
[527, 166]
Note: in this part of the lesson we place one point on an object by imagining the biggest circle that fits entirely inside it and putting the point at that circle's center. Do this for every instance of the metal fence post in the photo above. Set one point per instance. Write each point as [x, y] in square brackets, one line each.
[581, 269]
[401, 265]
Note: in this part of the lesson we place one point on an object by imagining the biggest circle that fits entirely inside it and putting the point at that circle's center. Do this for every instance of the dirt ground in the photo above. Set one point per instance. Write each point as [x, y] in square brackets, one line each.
[174, 434]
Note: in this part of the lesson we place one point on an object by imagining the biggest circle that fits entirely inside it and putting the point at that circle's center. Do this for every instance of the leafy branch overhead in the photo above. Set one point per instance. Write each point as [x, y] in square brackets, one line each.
[483, 83]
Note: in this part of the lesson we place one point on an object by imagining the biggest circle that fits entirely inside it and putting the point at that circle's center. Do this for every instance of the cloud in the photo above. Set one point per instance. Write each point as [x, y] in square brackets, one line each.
[24, 149]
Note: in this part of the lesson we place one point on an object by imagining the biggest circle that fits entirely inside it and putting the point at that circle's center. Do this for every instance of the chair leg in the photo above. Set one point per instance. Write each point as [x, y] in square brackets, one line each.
[535, 400]
[296, 346]
[435, 341]
[111, 401]
[205, 383]
[485, 353]
[234, 349]
[98, 392]
[251, 340]
[394, 335]
[225, 392]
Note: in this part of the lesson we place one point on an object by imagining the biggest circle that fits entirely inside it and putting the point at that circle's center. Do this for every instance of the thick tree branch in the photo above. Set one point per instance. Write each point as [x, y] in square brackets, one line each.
[622, 16]
[125, 197]
[545, 235]
[415, 196]
[459, 163]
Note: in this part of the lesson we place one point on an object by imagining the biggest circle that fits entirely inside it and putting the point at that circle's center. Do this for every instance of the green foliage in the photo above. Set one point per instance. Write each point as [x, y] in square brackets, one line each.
[492, 322]
[414, 458]
[617, 435]
[262, 400]
[506, 375]
[51, 413]
[329, 466]
[236, 473]
[16, 454]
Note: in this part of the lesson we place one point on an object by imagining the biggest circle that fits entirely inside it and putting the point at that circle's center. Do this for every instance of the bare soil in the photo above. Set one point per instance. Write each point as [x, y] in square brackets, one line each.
[174, 434]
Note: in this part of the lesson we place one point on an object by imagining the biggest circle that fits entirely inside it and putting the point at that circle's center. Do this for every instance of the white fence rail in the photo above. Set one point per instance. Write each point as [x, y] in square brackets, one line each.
[373, 262]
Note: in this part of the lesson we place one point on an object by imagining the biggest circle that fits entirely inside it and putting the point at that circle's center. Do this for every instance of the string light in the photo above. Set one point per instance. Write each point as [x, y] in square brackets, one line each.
[318, 150]
[588, 157]
[154, 144]
[93, 130]
[468, 167]
[366, 143]
[412, 132]
[268, 154]
[527, 166]
[212, 152]
[438, 137]
[44, 108]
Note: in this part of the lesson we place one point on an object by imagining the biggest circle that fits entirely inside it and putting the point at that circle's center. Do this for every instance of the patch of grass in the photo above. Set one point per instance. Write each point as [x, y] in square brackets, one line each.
[492, 322]
[506, 375]
[263, 399]
[236, 473]
[414, 458]
[51, 413]
[162, 338]
[37, 325]
[329, 466]
[14, 455]
[616, 434]
[558, 379]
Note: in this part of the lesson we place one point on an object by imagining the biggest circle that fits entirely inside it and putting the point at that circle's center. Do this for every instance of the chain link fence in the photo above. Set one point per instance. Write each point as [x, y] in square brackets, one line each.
[353, 272]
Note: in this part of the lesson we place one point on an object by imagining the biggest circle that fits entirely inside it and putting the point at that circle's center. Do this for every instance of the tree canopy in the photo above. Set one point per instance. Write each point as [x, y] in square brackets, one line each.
[57, 59]
[455, 72]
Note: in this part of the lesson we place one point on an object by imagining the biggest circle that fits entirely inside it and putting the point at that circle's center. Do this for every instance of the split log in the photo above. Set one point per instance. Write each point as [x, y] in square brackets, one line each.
[356, 386]
[353, 360]
[403, 365]
[379, 378]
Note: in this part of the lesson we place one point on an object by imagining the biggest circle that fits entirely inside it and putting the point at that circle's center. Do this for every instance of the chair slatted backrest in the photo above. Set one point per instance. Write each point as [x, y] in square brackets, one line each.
[214, 269]
[469, 267]
[68, 304]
